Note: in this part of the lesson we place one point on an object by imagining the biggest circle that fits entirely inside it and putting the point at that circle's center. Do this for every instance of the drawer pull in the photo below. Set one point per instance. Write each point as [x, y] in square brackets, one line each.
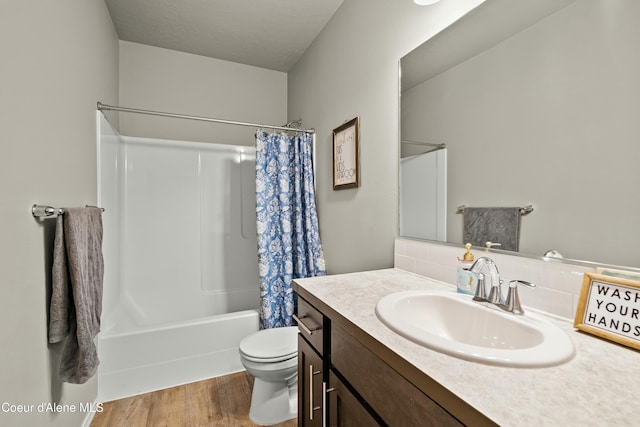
[305, 328]
[325, 393]
[311, 407]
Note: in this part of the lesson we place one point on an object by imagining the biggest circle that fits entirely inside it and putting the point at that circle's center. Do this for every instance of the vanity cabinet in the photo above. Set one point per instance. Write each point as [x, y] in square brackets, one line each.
[323, 400]
[341, 382]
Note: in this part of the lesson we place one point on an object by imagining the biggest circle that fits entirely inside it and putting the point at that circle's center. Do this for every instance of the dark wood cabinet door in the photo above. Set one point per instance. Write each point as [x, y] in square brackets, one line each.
[344, 408]
[310, 375]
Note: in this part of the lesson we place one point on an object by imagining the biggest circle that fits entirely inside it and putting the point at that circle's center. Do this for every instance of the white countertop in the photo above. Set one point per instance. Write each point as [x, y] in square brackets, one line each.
[600, 386]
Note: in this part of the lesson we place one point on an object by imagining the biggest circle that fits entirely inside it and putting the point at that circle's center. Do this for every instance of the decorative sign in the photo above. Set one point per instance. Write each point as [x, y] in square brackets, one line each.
[346, 155]
[609, 307]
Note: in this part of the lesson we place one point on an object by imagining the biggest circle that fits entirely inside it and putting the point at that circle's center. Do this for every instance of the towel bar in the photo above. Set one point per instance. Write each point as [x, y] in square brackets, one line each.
[43, 211]
[523, 211]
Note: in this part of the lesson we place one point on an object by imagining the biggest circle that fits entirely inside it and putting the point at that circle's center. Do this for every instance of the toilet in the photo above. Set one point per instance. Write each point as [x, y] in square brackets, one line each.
[271, 356]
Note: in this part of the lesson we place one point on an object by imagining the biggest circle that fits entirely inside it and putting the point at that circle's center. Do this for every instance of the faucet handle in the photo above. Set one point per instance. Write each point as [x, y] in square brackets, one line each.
[512, 303]
[481, 291]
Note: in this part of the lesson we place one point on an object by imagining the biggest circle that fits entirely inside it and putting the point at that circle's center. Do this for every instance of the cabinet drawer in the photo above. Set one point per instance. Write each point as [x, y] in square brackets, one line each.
[311, 324]
[392, 397]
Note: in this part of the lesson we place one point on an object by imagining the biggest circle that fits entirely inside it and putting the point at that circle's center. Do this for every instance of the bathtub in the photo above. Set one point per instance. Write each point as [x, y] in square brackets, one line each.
[181, 283]
[145, 359]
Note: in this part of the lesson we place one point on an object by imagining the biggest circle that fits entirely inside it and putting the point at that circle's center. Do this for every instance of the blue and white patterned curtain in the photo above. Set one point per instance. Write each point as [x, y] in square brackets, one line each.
[288, 238]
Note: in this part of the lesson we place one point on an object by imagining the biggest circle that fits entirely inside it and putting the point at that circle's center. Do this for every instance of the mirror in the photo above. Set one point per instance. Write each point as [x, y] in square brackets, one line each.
[537, 103]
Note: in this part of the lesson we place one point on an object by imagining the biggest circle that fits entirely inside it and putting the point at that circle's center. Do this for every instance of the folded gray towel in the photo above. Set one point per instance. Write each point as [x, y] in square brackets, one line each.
[76, 298]
[498, 225]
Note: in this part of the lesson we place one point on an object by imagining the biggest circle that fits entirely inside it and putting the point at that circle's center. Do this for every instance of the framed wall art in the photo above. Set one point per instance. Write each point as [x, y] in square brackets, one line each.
[346, 155]
[609, 307]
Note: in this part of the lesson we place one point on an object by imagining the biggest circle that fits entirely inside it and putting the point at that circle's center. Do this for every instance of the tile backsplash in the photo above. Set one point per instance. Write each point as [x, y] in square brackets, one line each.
[557, 284]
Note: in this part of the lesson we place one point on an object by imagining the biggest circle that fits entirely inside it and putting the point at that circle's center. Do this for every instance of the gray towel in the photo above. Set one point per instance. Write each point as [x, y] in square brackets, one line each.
[497, 225]
[76, 297]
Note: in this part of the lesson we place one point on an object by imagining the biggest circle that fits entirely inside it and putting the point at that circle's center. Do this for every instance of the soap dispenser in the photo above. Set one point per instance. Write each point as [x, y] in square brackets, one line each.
[466, 281]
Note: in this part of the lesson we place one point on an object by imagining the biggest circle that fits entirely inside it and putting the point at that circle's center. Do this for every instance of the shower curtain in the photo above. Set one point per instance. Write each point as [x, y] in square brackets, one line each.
[288, 237]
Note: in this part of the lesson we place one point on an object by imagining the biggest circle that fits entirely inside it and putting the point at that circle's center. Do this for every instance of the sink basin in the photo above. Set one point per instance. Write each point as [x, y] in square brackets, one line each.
[453, 324]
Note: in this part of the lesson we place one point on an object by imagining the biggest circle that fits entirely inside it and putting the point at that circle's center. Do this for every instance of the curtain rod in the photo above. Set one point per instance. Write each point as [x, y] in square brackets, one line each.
[105, 107]
[428, 144]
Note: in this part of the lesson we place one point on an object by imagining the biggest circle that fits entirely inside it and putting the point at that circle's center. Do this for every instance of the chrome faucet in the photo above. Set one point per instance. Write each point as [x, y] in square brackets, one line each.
[495, 293]
[512, 303]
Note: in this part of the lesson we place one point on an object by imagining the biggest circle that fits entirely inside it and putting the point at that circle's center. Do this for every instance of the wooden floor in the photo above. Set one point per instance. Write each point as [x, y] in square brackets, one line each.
[222, 401]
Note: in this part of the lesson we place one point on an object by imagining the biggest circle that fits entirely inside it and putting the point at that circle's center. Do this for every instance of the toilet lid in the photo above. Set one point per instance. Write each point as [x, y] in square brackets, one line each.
[271, 344]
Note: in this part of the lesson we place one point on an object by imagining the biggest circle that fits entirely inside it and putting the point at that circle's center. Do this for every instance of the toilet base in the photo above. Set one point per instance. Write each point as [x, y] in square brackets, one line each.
[273, 402]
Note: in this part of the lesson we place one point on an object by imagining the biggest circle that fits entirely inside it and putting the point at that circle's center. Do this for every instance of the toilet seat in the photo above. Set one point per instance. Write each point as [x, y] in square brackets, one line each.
[270, 360]
[271, 345]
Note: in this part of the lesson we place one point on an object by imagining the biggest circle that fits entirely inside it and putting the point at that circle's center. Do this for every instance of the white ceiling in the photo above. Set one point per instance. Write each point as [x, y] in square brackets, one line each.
[270, 34]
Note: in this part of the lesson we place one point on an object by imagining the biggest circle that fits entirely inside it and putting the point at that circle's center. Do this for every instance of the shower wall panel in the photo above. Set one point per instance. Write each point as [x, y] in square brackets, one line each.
[181, 232]
[109, 184]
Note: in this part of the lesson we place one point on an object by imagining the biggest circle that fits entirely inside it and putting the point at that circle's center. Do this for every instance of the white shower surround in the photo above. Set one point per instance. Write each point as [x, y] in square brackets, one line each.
[181, 282]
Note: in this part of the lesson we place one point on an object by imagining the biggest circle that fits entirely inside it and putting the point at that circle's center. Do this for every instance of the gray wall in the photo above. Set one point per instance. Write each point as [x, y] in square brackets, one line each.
[351, 69]
[58, 59]
[165, 80]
